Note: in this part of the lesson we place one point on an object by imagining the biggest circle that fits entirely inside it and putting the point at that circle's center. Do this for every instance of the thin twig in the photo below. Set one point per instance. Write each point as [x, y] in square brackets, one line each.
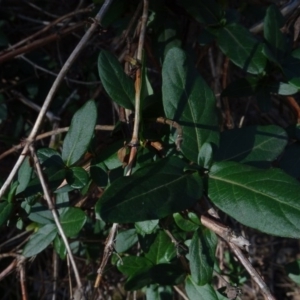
[55, 215]
[39, 43]
[108, 250]
[180, 292]
[34, 106]
[26, 40]
[50, 133]
[55, 74]
[253, 273]
[138, 84]
[235, 248]
[21, 267]
[53, 90]
[55, 274]
[8, 269]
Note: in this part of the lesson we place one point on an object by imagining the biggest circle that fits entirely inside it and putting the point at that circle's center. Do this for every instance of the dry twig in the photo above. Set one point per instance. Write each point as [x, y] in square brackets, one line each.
[53, 90]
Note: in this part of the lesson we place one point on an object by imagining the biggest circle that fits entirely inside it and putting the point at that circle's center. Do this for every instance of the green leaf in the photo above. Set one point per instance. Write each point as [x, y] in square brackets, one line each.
[197, 292]
[189, 101]
[146, 227]
[207, 12]
[138, 270]
[242, 48]
[125, 240]
[190, 223]
[60, 247]
[77, 177]
[293, 270]
[267, 200]
[24, 175]
[5, 211]
[80, 133]
[117, 84]
[205, 156]
[202, 256]
[152, 192]
[158, 292]
[162, 250]
[40, 240]
[54, 180]
[131, 265]
[62, 202]
[273, 22]
[41, 214]
[50, 158]
[252, 144]
[72, 221]
[167, 36]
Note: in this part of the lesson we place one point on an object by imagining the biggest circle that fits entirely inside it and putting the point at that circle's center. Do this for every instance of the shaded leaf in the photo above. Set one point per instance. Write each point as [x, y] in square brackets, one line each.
[267, 200]
[146, 227]
[41, 214]
[5, 211]
[40, 240]
[202, 256]
[197, 292]
[72, 221]
[190, 223]
[252, 144]
[293, 270]
[207, 12]
[273, 22]
[125, 240]
[80, 133]
[60, 247]
[162, 249]
[189, 101]
[152, 192]
[242, 48]
[117, 84]
[77, 177]
[24, 175]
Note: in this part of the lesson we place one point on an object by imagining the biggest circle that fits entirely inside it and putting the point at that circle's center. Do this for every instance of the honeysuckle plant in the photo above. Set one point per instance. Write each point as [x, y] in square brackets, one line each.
[165, 192]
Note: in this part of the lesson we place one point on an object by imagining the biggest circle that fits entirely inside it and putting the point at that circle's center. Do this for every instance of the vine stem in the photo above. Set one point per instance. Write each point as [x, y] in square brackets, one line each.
[54, 214]
[108, 250]
[53, 90]
[138, 84]
[234, 243]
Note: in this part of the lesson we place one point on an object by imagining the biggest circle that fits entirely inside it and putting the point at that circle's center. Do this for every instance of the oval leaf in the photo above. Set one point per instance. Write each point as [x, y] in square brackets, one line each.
[267, 200]
[242, 48]
[153, 192]
[202, 255]
[117, 84]
[162, 250]
[77, 177]
[80, 133]
[24, 175]
[252, 144]
[197, 292]
[189, 101]
[40, 240]
[125, 240]
[5, 211]
[273, 22]
[72, 221]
